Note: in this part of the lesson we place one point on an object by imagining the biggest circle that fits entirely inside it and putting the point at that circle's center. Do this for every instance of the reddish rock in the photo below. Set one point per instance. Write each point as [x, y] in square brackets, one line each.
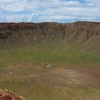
[5, 97]
[9, 95]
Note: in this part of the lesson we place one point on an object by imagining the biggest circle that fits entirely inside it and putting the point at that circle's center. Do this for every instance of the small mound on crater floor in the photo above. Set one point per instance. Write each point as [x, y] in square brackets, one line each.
[9, 95]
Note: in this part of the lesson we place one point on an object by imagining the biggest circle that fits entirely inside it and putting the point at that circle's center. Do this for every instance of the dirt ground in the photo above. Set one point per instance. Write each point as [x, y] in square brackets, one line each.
[64, 76]
[61, 78]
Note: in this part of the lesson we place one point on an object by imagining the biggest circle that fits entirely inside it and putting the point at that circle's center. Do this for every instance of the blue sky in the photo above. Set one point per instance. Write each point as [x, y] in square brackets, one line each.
[62, 11]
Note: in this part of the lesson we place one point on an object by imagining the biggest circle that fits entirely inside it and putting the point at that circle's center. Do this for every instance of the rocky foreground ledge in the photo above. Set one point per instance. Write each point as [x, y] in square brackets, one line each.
[9, 95]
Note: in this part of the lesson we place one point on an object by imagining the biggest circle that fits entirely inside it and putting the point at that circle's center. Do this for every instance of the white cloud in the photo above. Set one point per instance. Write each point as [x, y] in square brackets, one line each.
[49, 10]
[95, 3]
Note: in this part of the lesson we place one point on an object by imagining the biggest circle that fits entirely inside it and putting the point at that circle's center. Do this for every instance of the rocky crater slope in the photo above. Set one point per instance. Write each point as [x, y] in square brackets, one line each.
[82, 35]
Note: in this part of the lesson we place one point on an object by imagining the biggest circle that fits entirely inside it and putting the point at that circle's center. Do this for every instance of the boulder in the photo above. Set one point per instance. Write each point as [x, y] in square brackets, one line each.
[9, 95]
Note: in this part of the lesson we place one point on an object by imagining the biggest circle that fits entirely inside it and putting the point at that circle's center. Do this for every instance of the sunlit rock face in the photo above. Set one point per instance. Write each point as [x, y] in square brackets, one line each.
[82, 35]
[9, 95]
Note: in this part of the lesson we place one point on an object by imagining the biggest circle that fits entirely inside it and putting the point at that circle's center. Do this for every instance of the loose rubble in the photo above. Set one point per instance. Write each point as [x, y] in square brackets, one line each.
[50, 66]
[9, 95]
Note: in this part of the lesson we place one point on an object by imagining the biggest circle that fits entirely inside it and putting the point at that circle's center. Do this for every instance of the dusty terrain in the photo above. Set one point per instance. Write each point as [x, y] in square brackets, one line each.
[51, 61]
[72, 83]
[58, 76]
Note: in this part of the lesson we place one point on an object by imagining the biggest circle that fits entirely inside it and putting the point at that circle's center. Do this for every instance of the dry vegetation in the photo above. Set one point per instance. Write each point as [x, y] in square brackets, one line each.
[54, 75]
[51, 61]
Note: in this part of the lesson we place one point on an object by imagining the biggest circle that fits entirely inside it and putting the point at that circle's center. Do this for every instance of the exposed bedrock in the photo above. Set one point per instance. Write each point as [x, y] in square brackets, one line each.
[84, 35]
